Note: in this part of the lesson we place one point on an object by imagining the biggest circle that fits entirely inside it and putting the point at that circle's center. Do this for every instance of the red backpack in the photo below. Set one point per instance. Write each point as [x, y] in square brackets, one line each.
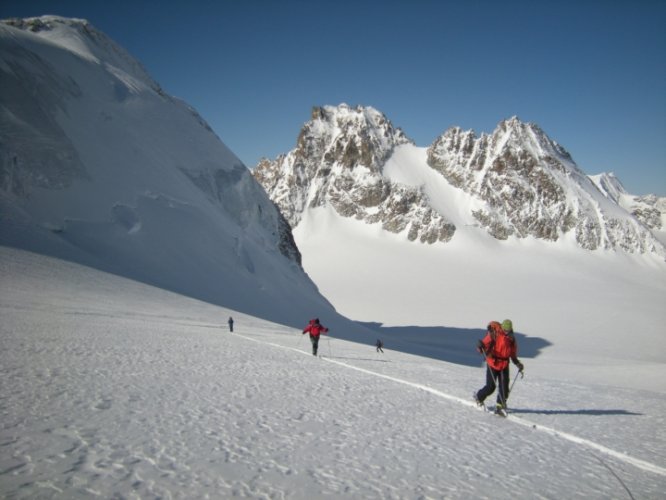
[501, 345]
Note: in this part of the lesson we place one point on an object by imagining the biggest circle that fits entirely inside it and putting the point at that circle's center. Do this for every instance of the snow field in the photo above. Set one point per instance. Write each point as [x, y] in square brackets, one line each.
[598, 312]
[113, 388]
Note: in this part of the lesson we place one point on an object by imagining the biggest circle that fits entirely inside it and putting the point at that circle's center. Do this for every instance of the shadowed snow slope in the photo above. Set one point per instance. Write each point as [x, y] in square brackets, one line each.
[99, 166]
[113, 388]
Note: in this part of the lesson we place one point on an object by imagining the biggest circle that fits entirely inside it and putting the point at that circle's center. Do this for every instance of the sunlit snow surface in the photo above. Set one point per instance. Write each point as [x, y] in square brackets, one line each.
[112, 388]
[599, 312]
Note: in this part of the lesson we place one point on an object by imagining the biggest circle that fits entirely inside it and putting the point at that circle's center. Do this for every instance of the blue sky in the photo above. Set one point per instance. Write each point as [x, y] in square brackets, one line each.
[590, 73]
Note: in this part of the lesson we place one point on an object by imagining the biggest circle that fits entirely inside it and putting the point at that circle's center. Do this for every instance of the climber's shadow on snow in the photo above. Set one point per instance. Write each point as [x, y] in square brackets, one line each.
[573, 412]
[454, 345]
[374, 360]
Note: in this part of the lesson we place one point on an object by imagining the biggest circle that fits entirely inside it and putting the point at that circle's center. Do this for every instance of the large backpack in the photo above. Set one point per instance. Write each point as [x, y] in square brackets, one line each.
[502, 344]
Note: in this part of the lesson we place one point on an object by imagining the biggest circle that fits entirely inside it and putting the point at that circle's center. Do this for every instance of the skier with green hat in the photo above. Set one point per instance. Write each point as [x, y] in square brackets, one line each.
[507, 326]
[498, 346]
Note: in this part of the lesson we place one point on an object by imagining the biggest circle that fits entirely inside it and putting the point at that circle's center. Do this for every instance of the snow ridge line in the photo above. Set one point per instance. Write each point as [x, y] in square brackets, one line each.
[636, 462]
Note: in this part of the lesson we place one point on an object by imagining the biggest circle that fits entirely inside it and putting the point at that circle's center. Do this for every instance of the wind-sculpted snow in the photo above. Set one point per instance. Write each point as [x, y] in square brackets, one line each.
[111, 388]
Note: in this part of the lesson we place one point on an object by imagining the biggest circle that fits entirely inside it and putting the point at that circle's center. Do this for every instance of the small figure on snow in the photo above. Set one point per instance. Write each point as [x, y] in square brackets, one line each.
[379, 346]
[315, 328]
[498, 346]
[231, 324]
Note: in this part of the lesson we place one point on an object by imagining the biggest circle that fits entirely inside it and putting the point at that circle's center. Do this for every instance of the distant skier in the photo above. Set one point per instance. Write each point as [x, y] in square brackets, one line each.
[315, 328]
[498, 347]
[231, 324]
[379, 345]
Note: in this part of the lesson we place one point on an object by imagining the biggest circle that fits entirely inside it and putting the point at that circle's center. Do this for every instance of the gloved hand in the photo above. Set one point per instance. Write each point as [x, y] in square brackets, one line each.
[520, 366]
[480, 347]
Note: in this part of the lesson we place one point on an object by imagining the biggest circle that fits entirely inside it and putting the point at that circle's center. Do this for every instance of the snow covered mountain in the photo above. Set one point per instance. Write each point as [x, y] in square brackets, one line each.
[531, 186]
[517, 183]
[100, 166]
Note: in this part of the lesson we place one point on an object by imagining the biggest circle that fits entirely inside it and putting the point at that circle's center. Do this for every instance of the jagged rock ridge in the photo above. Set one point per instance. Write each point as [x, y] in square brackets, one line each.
[520, 182]
[338, 160]
[532, 187]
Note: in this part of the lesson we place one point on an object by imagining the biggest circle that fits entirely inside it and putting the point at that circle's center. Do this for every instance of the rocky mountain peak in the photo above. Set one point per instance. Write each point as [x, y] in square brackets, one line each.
[338, 161]
[350, 136]
[530, 186]
[519, 182]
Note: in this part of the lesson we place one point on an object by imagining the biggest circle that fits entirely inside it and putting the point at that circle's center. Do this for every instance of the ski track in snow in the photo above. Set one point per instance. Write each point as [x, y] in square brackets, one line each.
[114, 389]
[642, 464]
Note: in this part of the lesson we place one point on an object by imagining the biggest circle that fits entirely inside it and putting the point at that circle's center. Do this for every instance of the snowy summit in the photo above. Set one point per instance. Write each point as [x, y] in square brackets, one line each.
[101, 167]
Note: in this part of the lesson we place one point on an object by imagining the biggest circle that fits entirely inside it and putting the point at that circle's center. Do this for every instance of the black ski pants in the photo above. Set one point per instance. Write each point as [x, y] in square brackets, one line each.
[493, 376]
[315, 343]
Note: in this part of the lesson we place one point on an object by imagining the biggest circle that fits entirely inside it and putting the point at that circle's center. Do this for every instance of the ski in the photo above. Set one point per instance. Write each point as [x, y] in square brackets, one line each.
[500, 412]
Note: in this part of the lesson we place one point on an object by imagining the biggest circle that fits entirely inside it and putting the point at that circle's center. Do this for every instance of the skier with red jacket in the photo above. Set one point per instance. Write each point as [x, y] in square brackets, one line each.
[498, 346]
[315, 329]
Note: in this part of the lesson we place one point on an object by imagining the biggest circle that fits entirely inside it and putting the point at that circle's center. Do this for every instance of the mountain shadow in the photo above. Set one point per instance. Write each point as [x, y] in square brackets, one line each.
[454, 345]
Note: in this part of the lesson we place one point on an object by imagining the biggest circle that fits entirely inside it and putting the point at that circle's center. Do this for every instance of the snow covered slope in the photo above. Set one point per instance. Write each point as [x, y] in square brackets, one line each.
[649, 209]
[100, 166]
[115, 389]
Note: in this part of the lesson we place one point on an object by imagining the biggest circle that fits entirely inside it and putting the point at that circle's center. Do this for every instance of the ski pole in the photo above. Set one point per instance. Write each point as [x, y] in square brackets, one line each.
[328, 339]
[516, 378]
[499, 380]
